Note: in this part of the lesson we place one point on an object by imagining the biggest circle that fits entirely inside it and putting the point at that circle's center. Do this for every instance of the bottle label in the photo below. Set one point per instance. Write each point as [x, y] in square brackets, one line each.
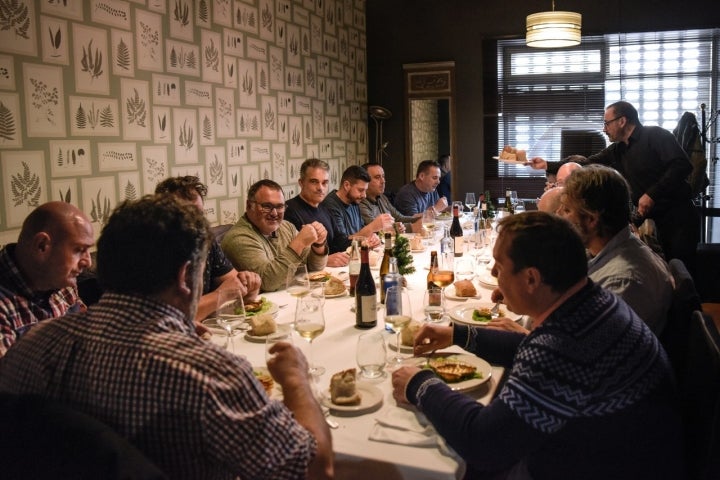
[458, 246]
[368, 310]
[392, 302]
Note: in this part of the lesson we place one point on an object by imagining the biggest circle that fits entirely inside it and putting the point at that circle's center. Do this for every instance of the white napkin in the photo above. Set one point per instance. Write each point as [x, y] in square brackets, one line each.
[408, 427]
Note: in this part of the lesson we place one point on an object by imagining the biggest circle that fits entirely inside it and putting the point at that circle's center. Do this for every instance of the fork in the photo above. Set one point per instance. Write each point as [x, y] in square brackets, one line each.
[495, 311]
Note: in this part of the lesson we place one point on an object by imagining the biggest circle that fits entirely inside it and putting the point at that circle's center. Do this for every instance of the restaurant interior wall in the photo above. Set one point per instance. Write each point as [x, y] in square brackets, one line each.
[101, 100]
[411, 31]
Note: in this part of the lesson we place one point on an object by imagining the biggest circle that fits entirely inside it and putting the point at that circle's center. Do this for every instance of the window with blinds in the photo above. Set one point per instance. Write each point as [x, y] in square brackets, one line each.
[542, 93]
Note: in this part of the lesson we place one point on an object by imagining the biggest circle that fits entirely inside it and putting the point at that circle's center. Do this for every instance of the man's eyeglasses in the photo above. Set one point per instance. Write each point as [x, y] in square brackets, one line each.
[608, 122]
[269, 207]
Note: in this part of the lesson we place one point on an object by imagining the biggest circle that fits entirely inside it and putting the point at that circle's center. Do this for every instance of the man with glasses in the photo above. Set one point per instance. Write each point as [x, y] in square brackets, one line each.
[657, 168]
[264, 243]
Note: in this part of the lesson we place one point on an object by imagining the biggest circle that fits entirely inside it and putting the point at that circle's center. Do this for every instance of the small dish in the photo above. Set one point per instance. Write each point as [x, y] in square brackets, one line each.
[370, 397]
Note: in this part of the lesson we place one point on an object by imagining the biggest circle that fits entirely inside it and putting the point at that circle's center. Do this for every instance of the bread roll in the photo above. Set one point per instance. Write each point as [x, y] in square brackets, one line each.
[465, 288]
[407, 334]
[343, 390]
[262, 324]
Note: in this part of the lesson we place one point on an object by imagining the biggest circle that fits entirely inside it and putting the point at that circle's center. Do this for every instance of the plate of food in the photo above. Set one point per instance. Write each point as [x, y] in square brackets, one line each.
[260, 305]
[334, 288]
[321, 276]
[261, 326]
[461, 290]
[461, 372]
[263, 376]
[512, 155]
[479, 313]
[350, 396]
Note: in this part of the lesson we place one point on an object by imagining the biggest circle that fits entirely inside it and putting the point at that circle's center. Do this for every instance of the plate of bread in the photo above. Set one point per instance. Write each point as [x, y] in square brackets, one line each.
[348, 395]
[461, 372]
[260, 327]
[512, 155]
[407, 337]
[461, 290]
[334, 287]
[479, 313]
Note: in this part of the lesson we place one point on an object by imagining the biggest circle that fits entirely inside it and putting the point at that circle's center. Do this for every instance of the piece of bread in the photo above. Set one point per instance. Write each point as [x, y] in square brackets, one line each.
[343, 390]
[465, 288]
[416, 243]
[407, 334]
[512, 153]
[319, 276]
[262, 324]
[334, 286]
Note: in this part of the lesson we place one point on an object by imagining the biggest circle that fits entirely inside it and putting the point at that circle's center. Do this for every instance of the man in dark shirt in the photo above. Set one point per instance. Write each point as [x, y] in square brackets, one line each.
[657, 168]
[306, 207]
[444, 188]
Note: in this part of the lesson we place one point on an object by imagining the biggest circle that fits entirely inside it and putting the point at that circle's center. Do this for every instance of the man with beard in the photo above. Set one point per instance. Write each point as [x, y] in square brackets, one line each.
[343, 205]
[420, 194]
[376, 203]
[264, 243]
[134, 362]
[38, 274]
[306, 207]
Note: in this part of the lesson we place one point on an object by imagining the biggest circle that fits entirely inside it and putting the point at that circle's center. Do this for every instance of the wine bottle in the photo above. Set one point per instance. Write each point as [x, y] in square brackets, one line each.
[508, 201]
[354, 265]
[433, 268]
[365, 294]
[385, 265]
[456, 232]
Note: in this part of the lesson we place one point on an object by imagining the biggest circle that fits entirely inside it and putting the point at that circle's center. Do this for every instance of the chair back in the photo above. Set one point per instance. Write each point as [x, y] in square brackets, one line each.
[220, 230]
[685, 301]
[700, 397]
[41, 438]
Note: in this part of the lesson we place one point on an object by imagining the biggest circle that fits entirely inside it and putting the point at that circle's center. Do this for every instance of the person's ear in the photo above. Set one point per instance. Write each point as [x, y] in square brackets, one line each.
[41, 243]
[185, 279]
[533, 279]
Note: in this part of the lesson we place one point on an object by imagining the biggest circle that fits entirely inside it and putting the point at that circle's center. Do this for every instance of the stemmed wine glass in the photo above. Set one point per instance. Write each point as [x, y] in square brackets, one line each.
[470, 200]
[442, 278]
[309, 324]
[297, 282]
[428, 222]
[398, 314]
[230, 312]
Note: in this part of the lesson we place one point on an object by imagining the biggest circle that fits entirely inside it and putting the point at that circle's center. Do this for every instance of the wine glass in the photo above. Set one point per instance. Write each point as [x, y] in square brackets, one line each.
[230, 312]
[434, 304]
[284, 333]
[428, 223]
[297, 282]
[371, 355]
[398, 314]
[309, 324]
[317, 290]
[470, 200]
[442, 278]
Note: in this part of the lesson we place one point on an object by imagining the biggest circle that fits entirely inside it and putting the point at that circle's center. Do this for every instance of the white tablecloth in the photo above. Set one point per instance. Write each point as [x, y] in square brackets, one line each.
[356, 456]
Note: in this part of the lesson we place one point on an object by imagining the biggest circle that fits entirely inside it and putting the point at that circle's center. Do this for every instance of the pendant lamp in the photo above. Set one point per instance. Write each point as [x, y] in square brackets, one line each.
[553, 29]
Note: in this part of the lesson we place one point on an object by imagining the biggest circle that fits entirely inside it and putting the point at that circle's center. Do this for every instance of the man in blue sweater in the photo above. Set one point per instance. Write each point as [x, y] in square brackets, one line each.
[589, 391]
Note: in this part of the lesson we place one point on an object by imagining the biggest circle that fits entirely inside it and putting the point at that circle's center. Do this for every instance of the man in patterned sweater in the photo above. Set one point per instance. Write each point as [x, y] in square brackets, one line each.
[134, 362]
[589, 391]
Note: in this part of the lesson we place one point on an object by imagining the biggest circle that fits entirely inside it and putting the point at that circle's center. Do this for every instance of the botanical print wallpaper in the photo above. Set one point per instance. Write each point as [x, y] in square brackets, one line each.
[102, 99]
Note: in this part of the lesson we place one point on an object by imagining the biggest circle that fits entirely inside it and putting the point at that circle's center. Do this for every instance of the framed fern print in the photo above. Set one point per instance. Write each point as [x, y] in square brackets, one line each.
[98, 199]
[54, 41]
[123, 53]
[65, 190]
[70, 158]
[117, 156]
[90, 57]
[136, 111]
[18, 33]
[129, 186]
[111, 12]
[10, 124]
[24, 183]
[94, 116]
[44, 108]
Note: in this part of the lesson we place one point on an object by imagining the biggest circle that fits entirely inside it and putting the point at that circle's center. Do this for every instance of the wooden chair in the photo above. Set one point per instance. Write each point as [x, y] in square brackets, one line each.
[700, 399]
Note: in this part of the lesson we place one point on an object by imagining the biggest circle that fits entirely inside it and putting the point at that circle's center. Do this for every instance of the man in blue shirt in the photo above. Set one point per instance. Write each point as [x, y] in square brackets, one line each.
[420, 194]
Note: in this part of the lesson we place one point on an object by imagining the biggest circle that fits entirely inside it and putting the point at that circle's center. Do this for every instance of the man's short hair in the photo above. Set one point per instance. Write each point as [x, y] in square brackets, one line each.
[367, 166]
[147, 241]
[354, 174]
[265, 182]
[546, 242]
[625, 109]
[187, 187]
[425, 166]
[602, 190]
[443, 160]
[313, 163]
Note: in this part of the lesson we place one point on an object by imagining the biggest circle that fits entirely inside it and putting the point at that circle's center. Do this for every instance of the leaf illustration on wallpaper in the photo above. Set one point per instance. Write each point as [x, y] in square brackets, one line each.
[93, 117]
[216, 171]
[263, 81]
[44, 98]
[136, 111]
[229, 217]
[185, 137]
[14, 15]
[266, 18]
[55, 41]
[25, 187]
[130, 191]
[245, 17]
[7, 123]
[247, 83]
[162, 125]
[182, 59]
[212, 56]
[234, 179]
[123, 55]
[269, 118]
[204, 11]
[207, 128]
[182, 13]
[155, 170]
[231, 70]
[67, 196]
[92, 62]
[70, 158]
[224, 112]
[100, 209]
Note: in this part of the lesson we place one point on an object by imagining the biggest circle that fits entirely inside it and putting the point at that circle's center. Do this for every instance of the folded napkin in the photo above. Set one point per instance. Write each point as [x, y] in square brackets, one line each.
[408, 427]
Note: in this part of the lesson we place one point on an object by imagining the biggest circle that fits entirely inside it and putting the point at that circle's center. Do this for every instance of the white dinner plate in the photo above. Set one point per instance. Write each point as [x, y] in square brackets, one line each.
[483, 368]
[271, 308]
[216, 329]
[370, 397]
[450, 293]
[487, 280]
[403, 348]
[275, 392]
[513, 162]
[463, 314]
[255, 338]
[336, 295]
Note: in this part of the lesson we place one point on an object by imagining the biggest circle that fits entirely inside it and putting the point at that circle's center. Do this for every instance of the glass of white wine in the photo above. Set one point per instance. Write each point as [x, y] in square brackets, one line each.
[398, 314]
[230, 312]
[470, 200]
[428, 223]
[297, 282]
[309, 324]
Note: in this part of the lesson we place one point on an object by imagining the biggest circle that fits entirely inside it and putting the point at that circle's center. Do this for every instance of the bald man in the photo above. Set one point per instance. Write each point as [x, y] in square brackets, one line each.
[564, 171]
[550, 200]
[38, 274]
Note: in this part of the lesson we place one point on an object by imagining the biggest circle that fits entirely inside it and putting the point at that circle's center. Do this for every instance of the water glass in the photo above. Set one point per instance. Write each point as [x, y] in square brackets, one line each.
[398, 314]
[434, 305]
[284, 333]
[230, 313]
[371, 354]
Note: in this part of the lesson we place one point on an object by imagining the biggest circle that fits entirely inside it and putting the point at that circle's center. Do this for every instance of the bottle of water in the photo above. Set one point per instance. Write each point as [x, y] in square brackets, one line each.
[391, 279]
[447, 250]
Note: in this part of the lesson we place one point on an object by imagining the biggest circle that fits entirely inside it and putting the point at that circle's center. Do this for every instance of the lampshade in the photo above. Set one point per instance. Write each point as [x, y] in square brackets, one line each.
[553, 29]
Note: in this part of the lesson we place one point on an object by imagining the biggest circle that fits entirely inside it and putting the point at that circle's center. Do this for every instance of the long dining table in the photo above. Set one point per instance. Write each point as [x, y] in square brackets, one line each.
[356, 455]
